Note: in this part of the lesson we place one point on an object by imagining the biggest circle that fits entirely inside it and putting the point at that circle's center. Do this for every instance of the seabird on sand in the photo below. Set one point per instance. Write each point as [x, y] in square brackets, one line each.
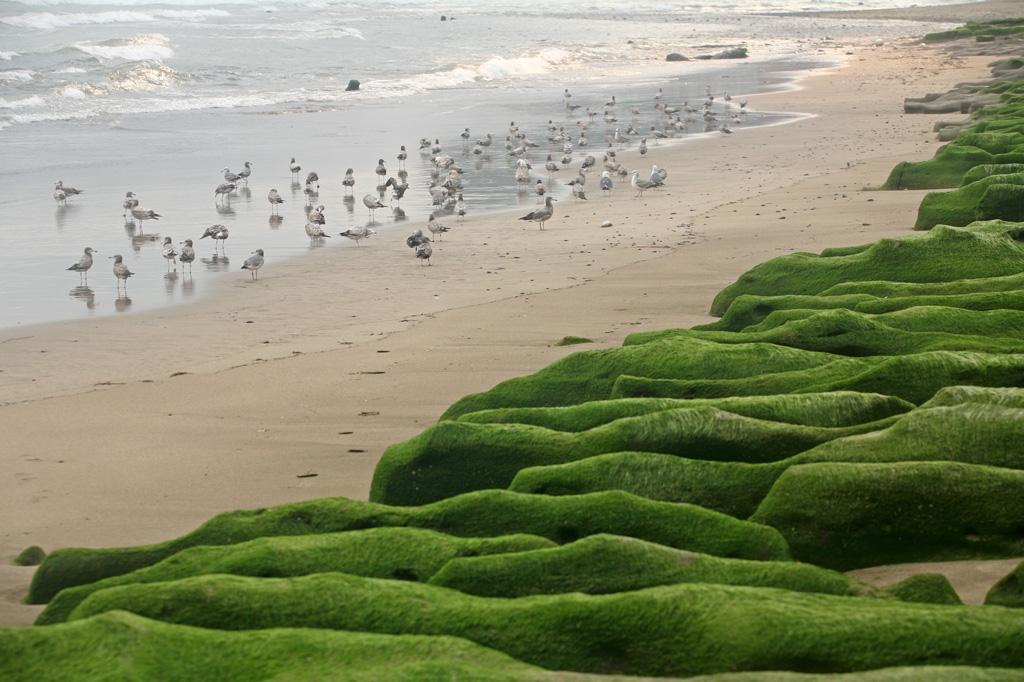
[254, 263]
[541, 215]
[82, 265]
[415, 239]
[606, 182]
[357, 233]
[435, 227]
[640, 185]
[460, 208]
[315, 231]
[424, 251]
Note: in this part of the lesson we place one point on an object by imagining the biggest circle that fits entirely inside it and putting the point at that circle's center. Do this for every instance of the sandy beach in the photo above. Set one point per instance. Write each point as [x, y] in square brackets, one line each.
[137, 428]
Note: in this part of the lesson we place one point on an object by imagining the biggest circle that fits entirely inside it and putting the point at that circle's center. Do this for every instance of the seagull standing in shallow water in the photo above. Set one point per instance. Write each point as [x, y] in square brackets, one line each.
[274, 198]
[254, 263]
[218, 232]
[314, 231]
[294, 167]
[225, 188]
[82, 265]
[169, 252]
[122, 272]
[187, 255]
[350, 180]
[372, 203]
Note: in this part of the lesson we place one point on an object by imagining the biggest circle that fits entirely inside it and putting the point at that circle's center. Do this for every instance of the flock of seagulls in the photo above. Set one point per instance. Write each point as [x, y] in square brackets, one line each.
[445, 188]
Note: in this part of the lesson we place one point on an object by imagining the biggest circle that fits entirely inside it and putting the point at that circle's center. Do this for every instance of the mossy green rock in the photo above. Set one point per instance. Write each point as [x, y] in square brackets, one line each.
[30, 556]
[454, 457]
[747, 310]
[590, 375]
[847, 516]
[972, 202]
[835, 409]
[984, 301]
[984, 171]
[681, 630]
[958, 395]
[1009, 590]
[604, 564]
[398, 553]
[926, 588]
[981, 249]
[486, 513]
[945, 170]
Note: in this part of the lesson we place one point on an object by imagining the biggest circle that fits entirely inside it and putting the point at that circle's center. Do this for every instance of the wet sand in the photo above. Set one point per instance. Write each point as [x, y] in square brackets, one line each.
[135, 429]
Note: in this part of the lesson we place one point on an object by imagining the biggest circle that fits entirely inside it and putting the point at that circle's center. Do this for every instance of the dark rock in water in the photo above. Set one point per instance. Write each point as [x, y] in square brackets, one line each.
[731, 53]
[352, 85]
[676, 57]
[444, 18]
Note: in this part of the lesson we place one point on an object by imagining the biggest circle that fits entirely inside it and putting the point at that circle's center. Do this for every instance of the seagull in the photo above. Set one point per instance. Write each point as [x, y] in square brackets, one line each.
[657, 135]
[550, 166]
[230, 177]
[316, 216]
[606, 182]
[315, 231]
[460, 208]
[465, 136]
[658, 176]
[187, 254]
[541, 215]
[424, 251]
[381, 172]
[726, 96]
[68, 191]
[725, 129]
[415, 239]
[224, 188]
[640, 185]
[620, 138]
[122, 272]
[486, 142]
[244, 174]
[743, 103]
[522, 170]
[294, 167]
[218, 232]
[539, 190]
[436, 227]
[274, 198]
[577, 192]
[60, 195]
[643, 146]
[357, 233]
[402, 156]
[170, 253]
[350, 180]
[372, 203]
[254, 263]
[397, 189]
[313, 179]
[83, 264]
[610, 103]
[659, 95]
[588, 162]
[129, 203]
[141, 214]
[583, 141]
[609, 118]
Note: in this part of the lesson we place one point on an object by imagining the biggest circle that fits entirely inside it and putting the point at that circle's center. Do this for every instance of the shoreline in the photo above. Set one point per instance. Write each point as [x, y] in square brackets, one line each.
[156, 452]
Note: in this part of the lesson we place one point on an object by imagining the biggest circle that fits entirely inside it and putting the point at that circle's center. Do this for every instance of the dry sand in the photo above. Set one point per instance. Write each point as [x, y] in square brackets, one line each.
[137, 428]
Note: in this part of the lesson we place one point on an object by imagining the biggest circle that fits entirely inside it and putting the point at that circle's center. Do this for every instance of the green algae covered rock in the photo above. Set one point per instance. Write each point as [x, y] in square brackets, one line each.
[981, 249]
[683, 629]
[398, 553]
[453, 457]
[123, 646]
[945, 170]
[835, 409]
[958, 395]
[845, 332]
[747, 310]
[984, 171]
[487, 513]
[966, 432]
[983, 301]
[927, 588]
[973, 201]
[603, 564]
[846, 516]
[589, 375]
[1009, 590]
[887, 289]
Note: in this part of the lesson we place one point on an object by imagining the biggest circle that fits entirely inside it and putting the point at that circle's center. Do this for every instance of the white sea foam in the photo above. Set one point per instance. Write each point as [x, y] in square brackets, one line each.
[47, 21]
[19, 76]
[33, 101]
[71, 92]
[8, 56]
[132, 53]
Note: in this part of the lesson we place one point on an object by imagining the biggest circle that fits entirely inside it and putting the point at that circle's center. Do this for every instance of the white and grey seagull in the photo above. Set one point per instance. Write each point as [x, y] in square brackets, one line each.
[436, 227]
[372, 203]
[640, 185]
[274, 198]
[358, 233]
[542, 215]
[187, 255]
[254, 263]
[121, 272]
[82, 265]
[169, 252]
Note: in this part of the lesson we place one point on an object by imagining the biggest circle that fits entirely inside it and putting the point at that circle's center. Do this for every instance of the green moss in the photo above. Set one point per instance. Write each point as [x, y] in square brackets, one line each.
[966, 432]
[747, 310]
[944, 36]
[1004, 201]
[957, 395]
[604, 564]
[982, 249]
[847, 516]
[963, 206]
[451, 458]
[927, 588]
[398, 553]
[1009, 590]
[30, 556]
[486, 513]
[984, 171]
[883, 289]
[844, 332]
[841, 408]
[573, 340]
[684, 629]
[590, 375]
[945, 170]
[123, 646]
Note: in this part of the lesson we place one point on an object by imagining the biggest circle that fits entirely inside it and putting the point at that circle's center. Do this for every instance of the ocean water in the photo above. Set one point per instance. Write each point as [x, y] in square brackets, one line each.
[158, 97]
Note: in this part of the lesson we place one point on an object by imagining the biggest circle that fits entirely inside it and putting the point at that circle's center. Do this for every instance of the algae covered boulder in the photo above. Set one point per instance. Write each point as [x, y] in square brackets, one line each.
[981, 249]
[927, 588]
[486, 513]
[846, 516]
[987, 198]
[454, 457]
[398, 553]
[683, 629]
[603, 564]
[1009, 590]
